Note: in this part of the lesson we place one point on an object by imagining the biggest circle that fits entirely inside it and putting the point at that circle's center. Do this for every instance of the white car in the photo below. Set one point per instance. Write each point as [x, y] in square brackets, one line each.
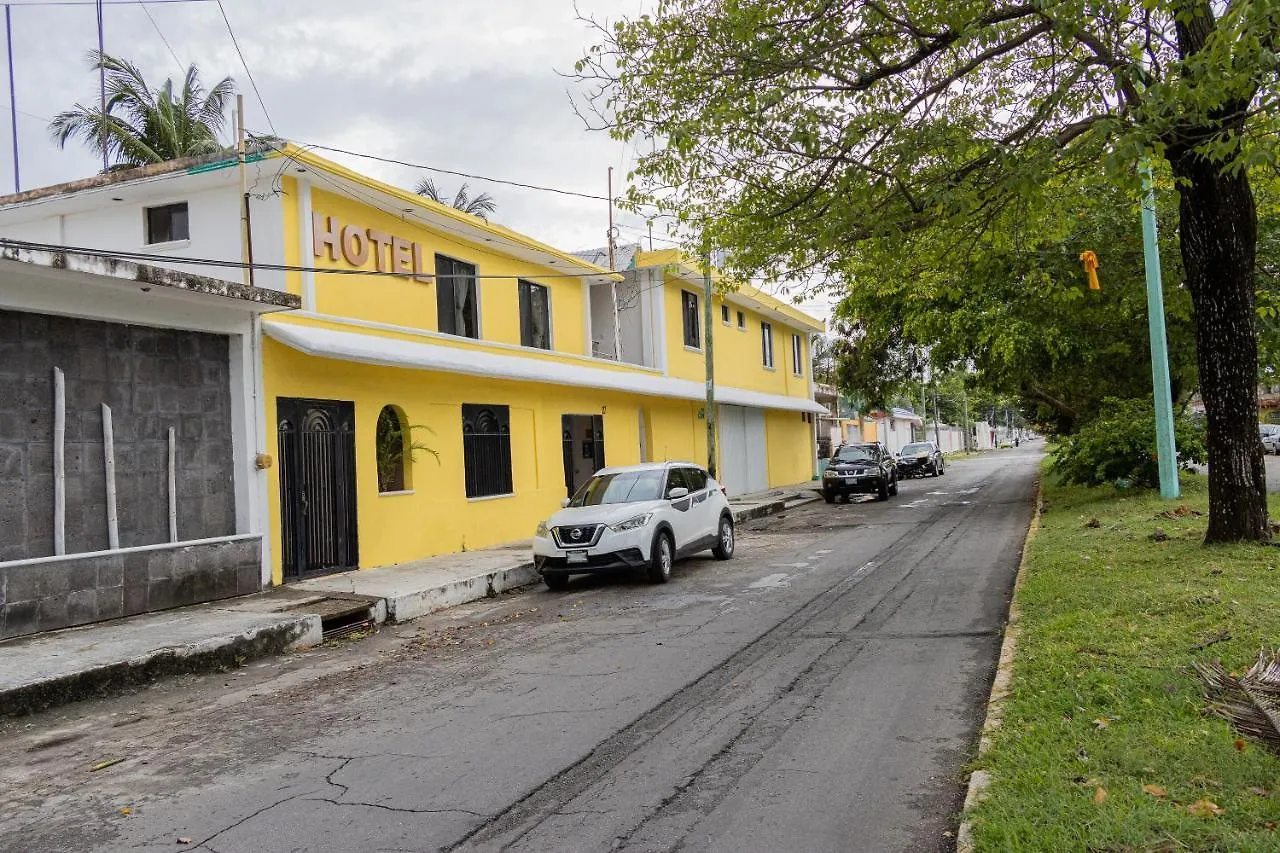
[1270, 434]
[640, 516]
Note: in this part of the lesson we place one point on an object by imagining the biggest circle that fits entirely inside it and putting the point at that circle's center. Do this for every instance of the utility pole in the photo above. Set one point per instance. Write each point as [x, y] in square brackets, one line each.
[13, 98]
[613, 285]
[102, 84]
[1166, 452]
[937, 435]
[964, 396]
[246, 252]
[710, 362]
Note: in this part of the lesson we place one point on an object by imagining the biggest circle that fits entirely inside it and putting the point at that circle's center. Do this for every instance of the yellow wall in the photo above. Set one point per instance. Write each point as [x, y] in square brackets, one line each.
[739, 356]
[437, 518]
[790, 442]
[405, 301]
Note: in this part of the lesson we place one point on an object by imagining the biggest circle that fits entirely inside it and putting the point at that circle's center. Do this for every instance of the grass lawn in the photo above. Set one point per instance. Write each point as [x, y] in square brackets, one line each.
[1105, 745]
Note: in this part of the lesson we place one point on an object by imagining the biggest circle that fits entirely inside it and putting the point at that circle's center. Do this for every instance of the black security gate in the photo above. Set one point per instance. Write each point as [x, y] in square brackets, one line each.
[317, 486]
[583, 446]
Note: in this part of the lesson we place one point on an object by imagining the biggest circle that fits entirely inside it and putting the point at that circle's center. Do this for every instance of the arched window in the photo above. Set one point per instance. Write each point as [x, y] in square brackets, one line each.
[393, 450]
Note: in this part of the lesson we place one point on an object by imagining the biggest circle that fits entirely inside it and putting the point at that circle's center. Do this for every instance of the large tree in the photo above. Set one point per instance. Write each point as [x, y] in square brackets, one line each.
[145, 125]
[788, 131]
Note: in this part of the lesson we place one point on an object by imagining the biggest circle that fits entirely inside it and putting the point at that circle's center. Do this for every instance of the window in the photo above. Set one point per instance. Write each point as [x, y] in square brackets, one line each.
[724, 314]
[621, 488]
[486, 449]
[766, 343]
[167, 223]
[797, 356]
[675, 480]
[458, 309]
[742, 320]
[689, 309]
[696, 479]
[535, 315]
[393, 451]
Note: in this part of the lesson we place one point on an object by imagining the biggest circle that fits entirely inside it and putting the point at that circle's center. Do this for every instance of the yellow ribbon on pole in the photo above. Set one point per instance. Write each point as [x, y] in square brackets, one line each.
[1090, 261]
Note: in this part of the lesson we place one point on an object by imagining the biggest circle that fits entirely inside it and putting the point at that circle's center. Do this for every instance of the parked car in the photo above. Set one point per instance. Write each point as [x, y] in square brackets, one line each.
[919, 459]
[1270, 434]
[866, 468]
[638, 516]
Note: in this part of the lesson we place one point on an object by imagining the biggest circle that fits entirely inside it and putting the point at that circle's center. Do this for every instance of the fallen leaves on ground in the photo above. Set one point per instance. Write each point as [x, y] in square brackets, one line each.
[1156, 790]
[1099, 795]
[1205, 809]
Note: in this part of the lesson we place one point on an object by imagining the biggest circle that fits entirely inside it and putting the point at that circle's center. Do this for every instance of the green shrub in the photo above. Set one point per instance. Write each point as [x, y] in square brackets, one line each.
[1120, 445]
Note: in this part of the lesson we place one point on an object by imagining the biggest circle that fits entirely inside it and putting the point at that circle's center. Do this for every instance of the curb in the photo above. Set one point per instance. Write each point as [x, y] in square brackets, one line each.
[227, 651]
[404, 608]
[980, 780]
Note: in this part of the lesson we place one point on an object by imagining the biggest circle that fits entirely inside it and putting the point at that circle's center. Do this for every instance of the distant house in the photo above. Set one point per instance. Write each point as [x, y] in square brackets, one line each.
[893, 428]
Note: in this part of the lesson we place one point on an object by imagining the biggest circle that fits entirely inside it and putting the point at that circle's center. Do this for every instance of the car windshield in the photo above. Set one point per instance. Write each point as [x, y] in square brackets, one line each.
[854, 453]
[917, 448]
[620, 488]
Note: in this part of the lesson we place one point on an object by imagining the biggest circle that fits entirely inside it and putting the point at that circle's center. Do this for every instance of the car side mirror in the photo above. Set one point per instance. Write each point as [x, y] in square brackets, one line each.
[564, 503]
[677, 493]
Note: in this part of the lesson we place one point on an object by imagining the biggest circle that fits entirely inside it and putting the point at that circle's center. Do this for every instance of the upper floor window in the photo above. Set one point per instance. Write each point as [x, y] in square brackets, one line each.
[689, 310]
[535, 315]
[797, 356]
[486, 450]
[167, 223]
[766, 343]
[742, 320]
[724, 314]
[457, 306]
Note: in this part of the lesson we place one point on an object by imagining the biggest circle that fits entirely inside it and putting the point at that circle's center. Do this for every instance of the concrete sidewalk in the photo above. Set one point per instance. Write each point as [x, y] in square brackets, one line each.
[57, 667]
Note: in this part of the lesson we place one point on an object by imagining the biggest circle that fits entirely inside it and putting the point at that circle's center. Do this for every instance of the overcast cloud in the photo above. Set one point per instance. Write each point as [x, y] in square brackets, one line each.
[468, 85]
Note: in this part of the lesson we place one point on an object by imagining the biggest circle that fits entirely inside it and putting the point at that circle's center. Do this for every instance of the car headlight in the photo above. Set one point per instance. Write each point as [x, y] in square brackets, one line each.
[542, 531]
[631, 523]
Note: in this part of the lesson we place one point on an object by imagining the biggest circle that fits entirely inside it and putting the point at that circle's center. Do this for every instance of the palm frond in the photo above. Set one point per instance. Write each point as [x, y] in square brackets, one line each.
[427, 188]
[1251, 702]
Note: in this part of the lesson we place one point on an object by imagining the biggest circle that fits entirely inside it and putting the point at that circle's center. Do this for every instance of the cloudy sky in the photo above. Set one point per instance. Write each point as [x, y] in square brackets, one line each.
[467, 85]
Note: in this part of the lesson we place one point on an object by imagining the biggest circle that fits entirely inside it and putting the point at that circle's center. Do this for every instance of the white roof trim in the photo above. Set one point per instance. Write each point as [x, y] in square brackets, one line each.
[394, 352]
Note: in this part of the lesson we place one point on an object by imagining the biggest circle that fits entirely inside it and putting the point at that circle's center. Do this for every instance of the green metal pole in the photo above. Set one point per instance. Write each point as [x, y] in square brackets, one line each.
[1165, 450]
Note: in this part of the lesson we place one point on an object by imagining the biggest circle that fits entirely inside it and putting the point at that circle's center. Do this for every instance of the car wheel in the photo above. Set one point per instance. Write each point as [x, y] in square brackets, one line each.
[942, 469]
[724, 539]
[828, 496]
[893, 487]
[883, 493]
[664, 554]
[937, 470]
[556, 580]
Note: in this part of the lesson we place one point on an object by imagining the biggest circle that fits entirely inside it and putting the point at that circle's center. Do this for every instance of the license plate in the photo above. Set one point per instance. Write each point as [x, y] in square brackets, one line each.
[577, 557]
[853, 480]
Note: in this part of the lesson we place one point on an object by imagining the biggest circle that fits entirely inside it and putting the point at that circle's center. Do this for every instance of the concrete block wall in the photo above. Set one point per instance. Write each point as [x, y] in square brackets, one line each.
[152, 379]
[45, 595]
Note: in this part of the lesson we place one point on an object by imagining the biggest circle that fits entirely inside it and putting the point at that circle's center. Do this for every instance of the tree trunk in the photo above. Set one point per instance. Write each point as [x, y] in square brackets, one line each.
[1218, 229]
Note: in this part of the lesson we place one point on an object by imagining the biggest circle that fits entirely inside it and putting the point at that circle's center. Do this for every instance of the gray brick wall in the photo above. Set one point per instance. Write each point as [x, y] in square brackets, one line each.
[73, 591]
[152, 379]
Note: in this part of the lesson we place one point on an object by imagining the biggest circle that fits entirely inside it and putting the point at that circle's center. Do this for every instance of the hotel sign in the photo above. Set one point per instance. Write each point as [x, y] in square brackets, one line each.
[356, 245]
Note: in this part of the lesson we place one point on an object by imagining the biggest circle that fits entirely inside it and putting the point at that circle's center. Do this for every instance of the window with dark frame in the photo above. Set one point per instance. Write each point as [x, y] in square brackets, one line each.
[797, 356]
[535, 315]
[742, 320]
[766, 343]
[392, 458]
[486, 450]
[457, 305]
[167, 223]
[689, 309]
[724, 314]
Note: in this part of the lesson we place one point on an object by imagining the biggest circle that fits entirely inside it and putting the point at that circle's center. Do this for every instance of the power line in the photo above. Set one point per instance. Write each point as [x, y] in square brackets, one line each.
[243, 62]
[37, 3]
[453, 172]
[143, 6]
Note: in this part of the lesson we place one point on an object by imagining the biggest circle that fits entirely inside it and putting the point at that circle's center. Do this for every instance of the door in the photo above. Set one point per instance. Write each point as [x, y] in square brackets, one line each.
[317, 444]
[684, 521]
[743, 450]
[582, 442]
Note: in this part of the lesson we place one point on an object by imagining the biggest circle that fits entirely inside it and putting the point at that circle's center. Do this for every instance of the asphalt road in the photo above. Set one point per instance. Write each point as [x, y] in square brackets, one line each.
[820, 692]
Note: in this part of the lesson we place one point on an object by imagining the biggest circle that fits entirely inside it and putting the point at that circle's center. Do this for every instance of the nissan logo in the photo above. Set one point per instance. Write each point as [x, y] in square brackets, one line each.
[576, 533]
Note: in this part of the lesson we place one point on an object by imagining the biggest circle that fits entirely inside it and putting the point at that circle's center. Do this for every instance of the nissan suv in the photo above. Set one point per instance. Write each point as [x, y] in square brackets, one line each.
[860, 469]
[636, 517]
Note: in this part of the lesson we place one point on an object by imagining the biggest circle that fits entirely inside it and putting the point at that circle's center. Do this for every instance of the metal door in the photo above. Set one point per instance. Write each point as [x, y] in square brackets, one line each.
[317, 441]
[744, 451]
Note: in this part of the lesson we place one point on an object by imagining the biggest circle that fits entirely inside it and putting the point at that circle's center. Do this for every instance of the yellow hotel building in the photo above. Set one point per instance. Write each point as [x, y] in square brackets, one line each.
[447, 381]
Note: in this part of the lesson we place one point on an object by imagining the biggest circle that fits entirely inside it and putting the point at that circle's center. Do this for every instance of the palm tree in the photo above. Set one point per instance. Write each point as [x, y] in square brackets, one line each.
[142, 125]
[481, 206]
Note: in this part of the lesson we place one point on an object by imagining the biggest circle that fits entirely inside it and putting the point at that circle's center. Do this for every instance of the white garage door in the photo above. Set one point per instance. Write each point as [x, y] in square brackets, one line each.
[743, 452]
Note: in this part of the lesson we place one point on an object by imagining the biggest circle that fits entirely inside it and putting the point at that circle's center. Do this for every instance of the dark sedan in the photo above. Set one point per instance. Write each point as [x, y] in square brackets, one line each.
[864, 469]
[919, 459]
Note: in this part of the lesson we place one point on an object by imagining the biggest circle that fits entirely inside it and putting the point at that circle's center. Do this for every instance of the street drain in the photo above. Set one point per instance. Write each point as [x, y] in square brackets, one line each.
[341, 617]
